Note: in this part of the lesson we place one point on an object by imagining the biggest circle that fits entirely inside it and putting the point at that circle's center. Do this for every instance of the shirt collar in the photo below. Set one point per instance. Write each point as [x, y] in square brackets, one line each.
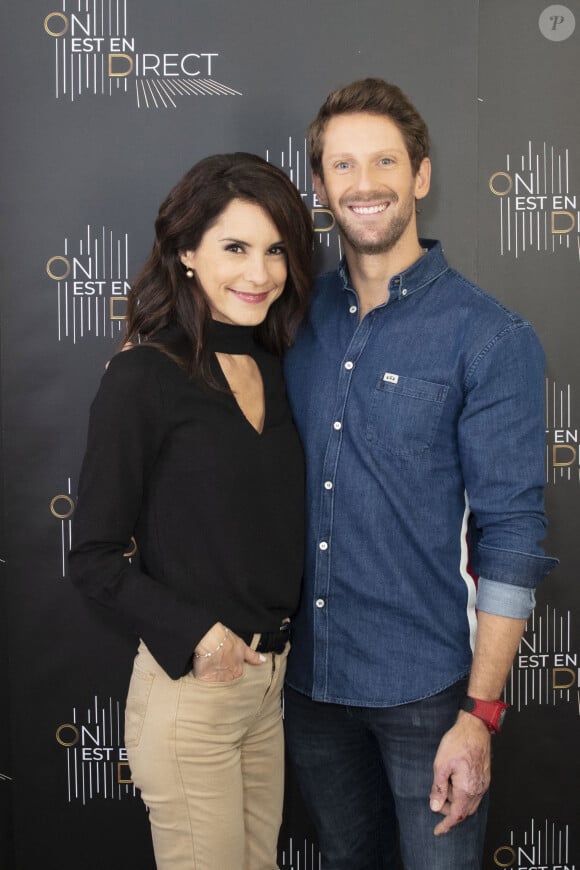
[422, 272]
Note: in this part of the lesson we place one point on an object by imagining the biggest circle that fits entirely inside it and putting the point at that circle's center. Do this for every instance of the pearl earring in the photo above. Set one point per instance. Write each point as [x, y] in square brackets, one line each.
[189, 273]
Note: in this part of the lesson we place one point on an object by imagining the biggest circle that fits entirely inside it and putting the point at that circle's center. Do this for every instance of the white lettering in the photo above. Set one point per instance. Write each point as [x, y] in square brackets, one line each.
[76, 22]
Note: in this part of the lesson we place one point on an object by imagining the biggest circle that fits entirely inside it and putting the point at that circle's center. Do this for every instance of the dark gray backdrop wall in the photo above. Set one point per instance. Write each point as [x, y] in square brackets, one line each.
[107, 103]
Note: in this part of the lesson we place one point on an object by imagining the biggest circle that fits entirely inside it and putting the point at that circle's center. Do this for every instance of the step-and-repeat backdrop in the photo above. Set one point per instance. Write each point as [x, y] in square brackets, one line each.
[105, 104]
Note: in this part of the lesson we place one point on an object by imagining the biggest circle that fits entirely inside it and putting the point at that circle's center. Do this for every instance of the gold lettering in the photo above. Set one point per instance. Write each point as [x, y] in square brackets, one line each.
[112, 303]
[504, 175]
[61, 18]
[116, 55]
[556, 447]
[132, 550]
[500, 861]
[68, 511]
[324, 229]
[120, 779]
[62, 741]
[560, 230]
[58, 259]
[569, 671]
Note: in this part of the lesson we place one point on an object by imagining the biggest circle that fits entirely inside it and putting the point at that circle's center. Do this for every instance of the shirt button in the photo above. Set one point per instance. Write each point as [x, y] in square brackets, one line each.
[337, 425]
[352, 309]
[404, 292]
[320, 602]
[328, 484]
[323, 545]
[349, 365]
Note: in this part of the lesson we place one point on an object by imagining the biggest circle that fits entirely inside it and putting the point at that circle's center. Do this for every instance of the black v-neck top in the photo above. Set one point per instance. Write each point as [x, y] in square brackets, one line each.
[216, 508]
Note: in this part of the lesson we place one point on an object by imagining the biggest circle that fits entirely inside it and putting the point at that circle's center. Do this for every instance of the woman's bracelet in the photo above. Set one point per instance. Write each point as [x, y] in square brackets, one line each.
[208, 655]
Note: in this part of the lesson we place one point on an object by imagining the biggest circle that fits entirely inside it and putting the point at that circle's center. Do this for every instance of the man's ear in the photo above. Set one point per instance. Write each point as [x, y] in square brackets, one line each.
[319, 190]
[423, 179]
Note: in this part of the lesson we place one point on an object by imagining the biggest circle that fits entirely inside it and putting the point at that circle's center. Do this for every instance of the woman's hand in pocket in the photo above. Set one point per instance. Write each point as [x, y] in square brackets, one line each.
[220, 655]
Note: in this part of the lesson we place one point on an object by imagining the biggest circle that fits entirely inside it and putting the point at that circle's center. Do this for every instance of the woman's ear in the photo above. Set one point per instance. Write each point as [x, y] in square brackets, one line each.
[187, 258]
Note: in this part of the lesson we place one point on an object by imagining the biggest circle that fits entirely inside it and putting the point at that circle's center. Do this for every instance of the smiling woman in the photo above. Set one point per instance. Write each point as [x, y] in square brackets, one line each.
[192, 451]
[240, 263]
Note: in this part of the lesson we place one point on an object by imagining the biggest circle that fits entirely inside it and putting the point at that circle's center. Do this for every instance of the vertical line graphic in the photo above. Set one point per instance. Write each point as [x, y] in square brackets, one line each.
[541, 186]
[542, 844]
[563, 442]
[95, 755]
[546, 669]
[89, 296]
[294, 161]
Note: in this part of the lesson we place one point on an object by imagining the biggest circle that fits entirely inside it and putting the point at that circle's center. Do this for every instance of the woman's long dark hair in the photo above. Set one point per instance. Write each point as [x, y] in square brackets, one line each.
[162, 295]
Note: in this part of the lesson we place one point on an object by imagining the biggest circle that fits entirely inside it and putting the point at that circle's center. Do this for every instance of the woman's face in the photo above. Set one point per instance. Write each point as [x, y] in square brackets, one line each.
[240, 264]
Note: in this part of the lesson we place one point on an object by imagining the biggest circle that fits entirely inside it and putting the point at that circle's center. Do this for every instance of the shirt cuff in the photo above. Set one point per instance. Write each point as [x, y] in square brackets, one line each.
[511, 566]
[505, 599]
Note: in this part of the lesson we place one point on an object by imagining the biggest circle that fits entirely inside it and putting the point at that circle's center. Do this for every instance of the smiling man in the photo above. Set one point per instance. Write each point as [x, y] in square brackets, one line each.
[419, 399]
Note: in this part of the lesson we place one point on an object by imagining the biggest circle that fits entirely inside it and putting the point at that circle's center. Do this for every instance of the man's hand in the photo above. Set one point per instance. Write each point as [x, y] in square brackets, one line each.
[462, 764]
[461, 771]
[228, 654]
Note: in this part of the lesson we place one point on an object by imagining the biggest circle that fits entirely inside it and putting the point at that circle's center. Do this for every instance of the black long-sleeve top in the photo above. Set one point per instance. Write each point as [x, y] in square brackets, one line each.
[216, 509]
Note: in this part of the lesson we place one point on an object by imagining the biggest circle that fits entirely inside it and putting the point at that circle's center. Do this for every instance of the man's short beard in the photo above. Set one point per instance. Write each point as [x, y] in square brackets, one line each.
[381, 245]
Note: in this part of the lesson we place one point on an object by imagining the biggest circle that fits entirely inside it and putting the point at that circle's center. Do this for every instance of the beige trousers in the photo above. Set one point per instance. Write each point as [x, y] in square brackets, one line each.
[209, 760]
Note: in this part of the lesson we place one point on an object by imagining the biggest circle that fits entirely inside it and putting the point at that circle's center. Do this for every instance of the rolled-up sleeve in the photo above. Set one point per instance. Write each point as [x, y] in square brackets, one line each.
[501, 435]
[505, 599]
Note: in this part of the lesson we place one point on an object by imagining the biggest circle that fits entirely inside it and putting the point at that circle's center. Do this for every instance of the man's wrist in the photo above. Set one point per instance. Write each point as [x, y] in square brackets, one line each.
[490, 712]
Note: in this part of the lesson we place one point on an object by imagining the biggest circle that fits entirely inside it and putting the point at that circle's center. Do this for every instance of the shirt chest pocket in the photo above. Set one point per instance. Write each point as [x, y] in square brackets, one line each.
[404, 414]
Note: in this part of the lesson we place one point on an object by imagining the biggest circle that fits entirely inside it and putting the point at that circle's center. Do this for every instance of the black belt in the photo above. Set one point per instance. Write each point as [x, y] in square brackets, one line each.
[270, 641]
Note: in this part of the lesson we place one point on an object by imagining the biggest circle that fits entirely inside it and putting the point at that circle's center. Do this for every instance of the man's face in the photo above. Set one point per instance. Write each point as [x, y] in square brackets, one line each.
[369, 183]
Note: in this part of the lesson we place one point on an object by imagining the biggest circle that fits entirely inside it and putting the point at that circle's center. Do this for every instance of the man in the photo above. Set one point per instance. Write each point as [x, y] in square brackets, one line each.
[419, 400]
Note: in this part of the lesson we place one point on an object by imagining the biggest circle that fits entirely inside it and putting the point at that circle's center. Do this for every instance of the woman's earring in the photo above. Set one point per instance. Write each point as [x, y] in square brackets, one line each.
[189, 273]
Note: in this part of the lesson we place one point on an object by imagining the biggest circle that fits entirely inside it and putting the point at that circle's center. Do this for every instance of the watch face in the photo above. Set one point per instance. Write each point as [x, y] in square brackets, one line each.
[501, 718]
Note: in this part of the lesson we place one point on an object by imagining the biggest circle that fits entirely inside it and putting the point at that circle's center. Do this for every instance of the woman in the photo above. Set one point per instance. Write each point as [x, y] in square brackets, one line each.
[192, 452]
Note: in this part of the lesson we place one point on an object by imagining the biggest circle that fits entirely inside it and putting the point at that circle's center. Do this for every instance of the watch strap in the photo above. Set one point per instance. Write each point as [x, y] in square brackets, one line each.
[491, 713]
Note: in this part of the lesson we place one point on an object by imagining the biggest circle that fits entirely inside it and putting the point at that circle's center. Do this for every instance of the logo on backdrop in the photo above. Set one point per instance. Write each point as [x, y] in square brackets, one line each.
[91, 279]
[562, 448]
[543, 846]
[557, 22]
[545, 671]
[537, 203]
[96, 760]
[62, 507]
[303, 856]
[293, 159]
[95, 52]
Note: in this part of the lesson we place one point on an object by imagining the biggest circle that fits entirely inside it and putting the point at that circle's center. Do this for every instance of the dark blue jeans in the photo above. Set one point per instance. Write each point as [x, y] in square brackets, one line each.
[366, 775]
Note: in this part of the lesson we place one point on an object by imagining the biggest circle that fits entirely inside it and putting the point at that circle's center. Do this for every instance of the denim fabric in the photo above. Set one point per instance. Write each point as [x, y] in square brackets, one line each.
[504, 599]
[423, 429]
[366, 775]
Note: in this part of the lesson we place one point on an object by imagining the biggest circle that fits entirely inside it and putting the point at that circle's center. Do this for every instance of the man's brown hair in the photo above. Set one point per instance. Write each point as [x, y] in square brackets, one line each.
[376, 97]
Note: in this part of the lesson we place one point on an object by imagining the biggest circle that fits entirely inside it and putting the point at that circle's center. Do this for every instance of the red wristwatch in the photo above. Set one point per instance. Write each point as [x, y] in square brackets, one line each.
[492, 713]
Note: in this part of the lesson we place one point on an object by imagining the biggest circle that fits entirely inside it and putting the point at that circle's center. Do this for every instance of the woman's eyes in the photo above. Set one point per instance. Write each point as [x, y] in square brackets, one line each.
[275, 250]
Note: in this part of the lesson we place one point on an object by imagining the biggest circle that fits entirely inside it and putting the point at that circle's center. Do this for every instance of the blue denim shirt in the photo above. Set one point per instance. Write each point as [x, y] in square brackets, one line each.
[423, 426]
